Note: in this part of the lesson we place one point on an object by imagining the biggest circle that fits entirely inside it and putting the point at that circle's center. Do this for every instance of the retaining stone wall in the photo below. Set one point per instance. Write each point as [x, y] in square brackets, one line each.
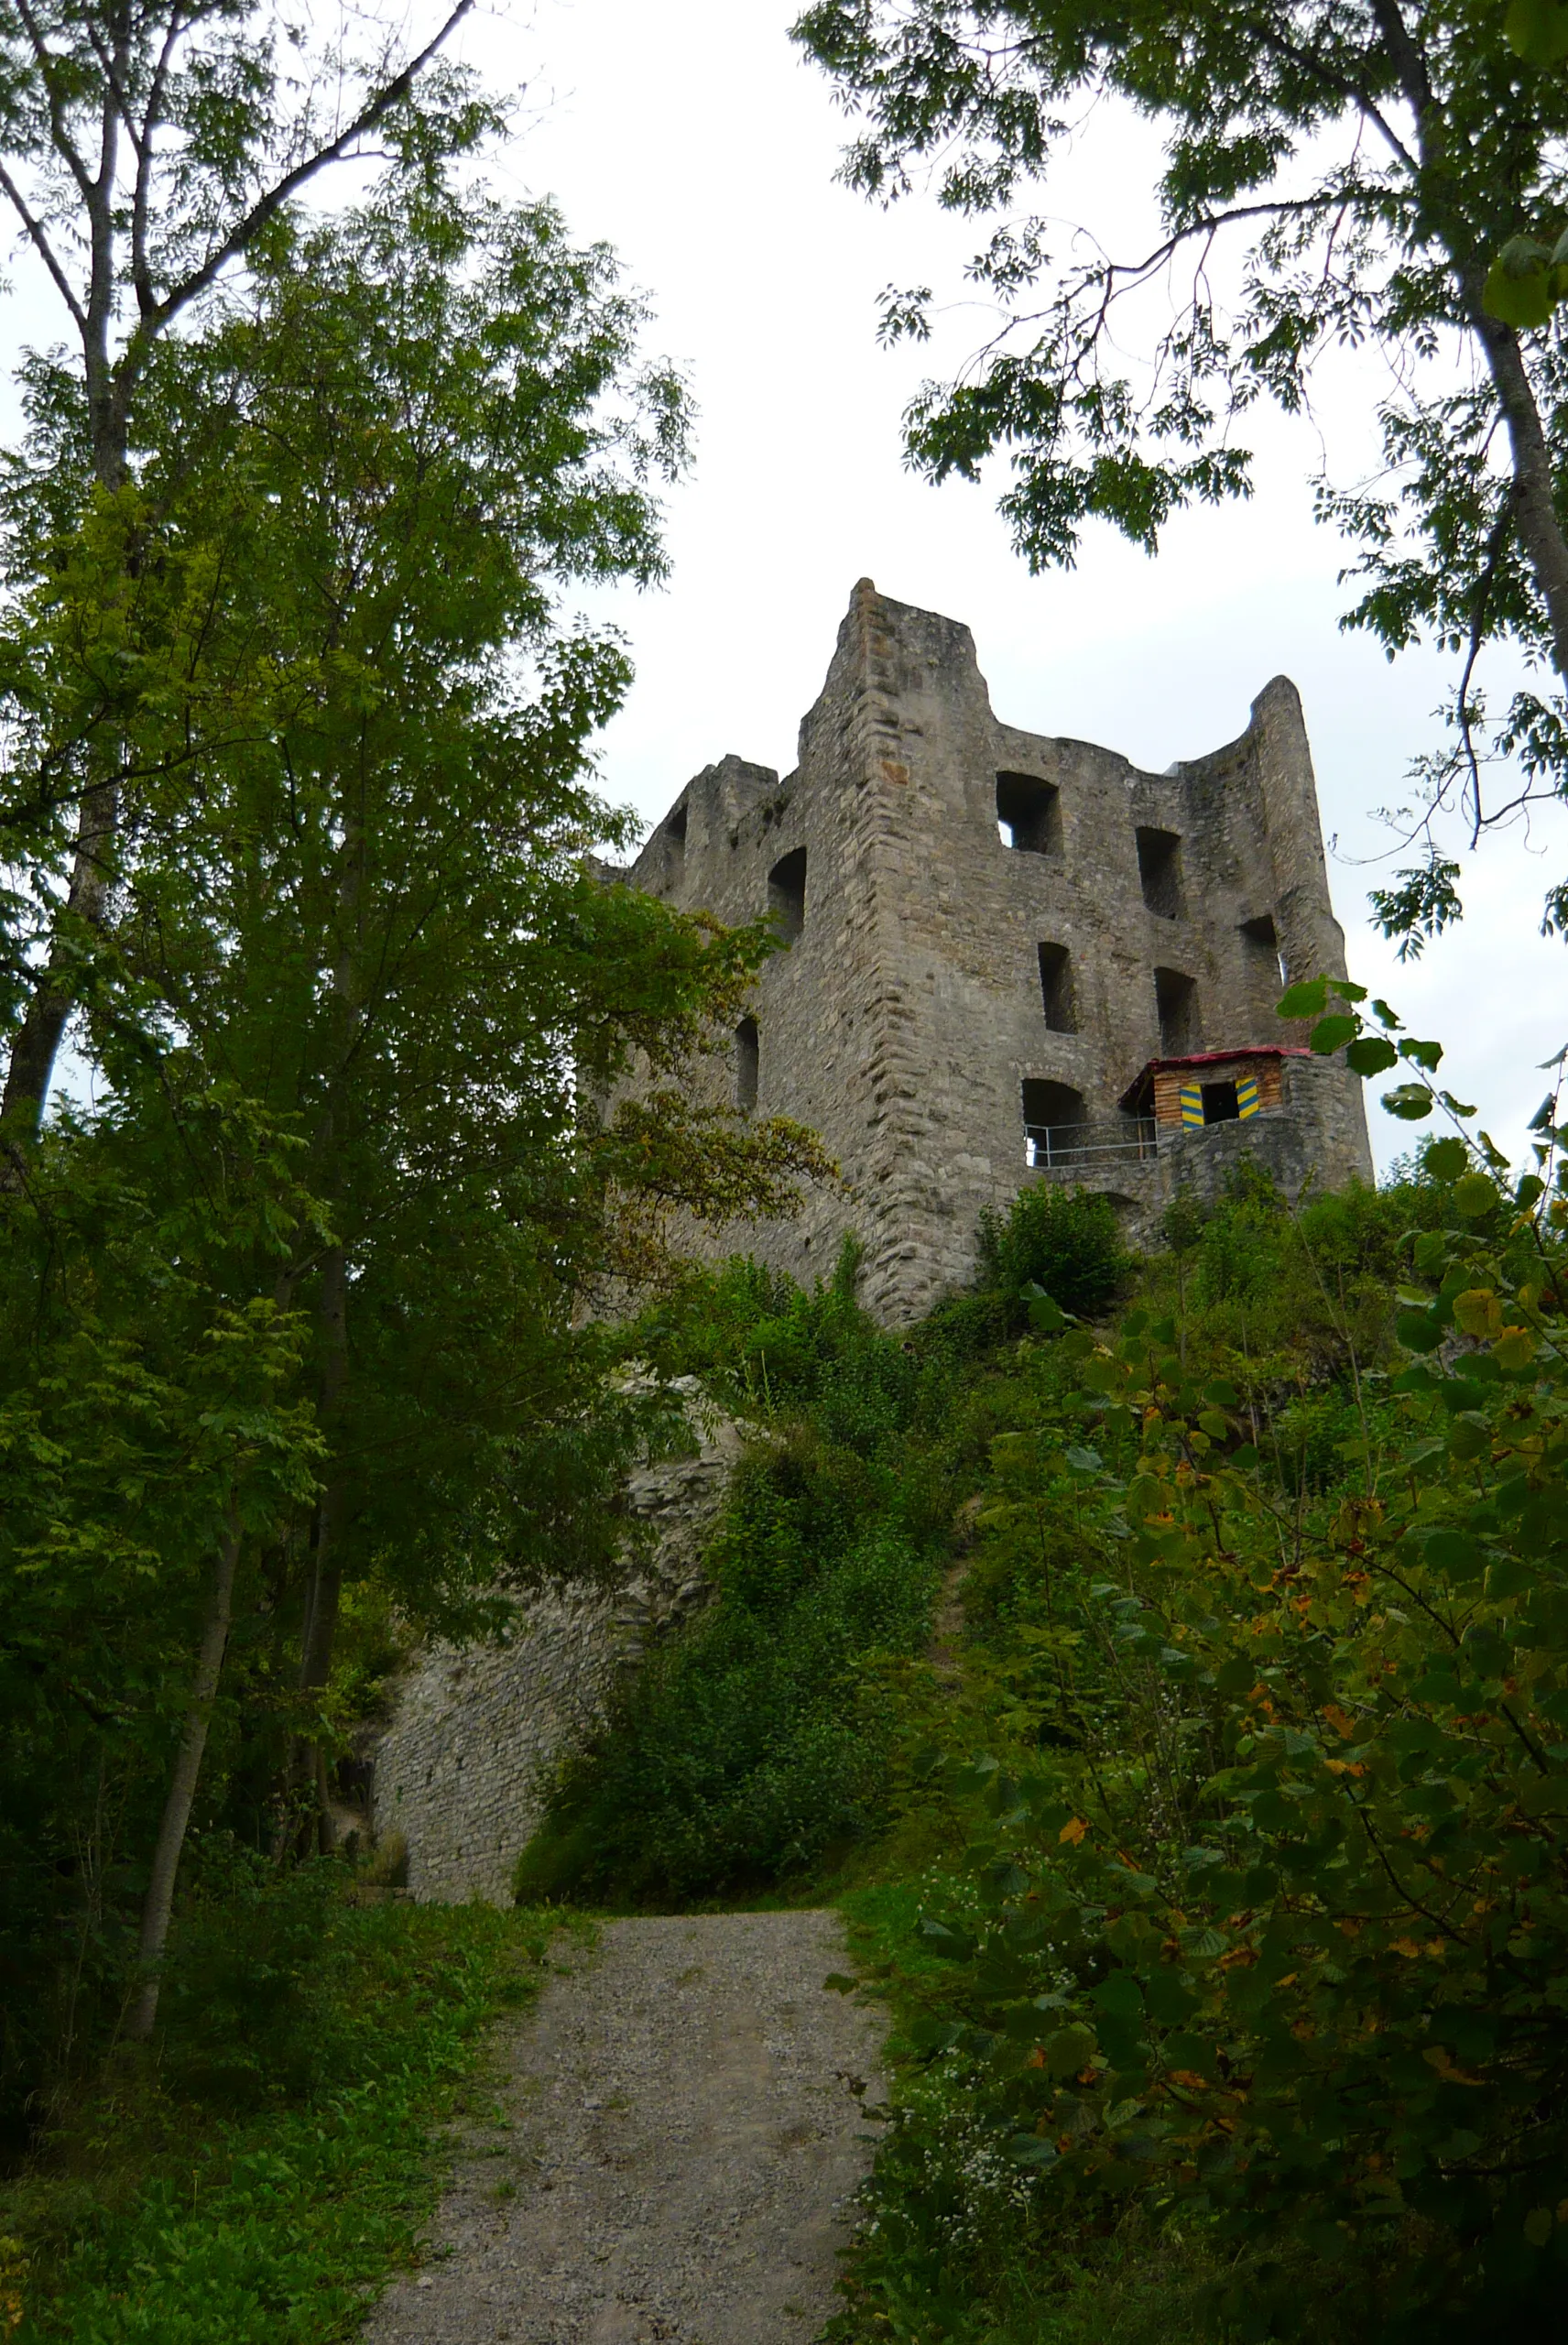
[476, 1731]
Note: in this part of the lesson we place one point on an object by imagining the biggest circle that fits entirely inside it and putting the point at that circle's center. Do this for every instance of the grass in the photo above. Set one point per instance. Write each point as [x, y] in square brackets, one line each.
[150, 2217]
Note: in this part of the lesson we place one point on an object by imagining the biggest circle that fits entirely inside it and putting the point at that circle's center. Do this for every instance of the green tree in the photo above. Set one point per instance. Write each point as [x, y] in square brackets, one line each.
[143, 151]
[358, 903]
[1380, 173]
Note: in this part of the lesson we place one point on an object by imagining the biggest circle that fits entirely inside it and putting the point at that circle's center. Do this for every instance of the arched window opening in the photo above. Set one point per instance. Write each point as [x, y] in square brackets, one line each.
[787, 894]
[1029, 813]
[1263, 940]
[746, 1065]
[1054, 1121]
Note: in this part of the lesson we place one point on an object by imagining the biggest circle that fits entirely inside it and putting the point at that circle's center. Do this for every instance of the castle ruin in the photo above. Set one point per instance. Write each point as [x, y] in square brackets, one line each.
[1007, 957]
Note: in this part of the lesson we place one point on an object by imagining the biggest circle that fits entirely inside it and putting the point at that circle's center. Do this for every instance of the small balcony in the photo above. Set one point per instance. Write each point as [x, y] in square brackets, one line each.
[1070, 1147]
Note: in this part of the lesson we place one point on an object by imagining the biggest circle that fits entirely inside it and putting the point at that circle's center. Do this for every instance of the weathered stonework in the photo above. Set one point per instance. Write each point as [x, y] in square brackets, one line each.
[942, 989]
[477, 1730]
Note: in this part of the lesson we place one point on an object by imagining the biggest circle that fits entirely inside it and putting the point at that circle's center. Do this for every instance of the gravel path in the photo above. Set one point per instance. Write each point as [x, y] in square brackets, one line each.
[684, 2125]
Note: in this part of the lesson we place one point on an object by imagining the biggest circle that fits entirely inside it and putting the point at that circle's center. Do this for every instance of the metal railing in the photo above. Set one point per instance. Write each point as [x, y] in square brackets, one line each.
[1050, 1145]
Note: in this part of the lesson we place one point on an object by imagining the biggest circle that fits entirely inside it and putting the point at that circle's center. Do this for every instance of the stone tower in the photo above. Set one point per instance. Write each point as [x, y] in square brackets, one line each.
[1008, 957]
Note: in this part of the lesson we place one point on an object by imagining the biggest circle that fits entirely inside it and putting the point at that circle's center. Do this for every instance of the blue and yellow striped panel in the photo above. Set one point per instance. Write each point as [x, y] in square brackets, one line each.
[1191, 1098]
[1246, 1097]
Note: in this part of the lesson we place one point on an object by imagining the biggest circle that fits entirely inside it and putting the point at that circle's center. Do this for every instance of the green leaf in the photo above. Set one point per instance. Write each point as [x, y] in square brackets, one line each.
[1445, 1160]
[1426, 1056]
[1418, 1331]
[946, 1943]
[1474, 1196]
[1372, 1054]
[1333, 1034]
[1519, 287]
[1537, 30]
[1456, 1554]
[1411, 1101]
[1308, 999]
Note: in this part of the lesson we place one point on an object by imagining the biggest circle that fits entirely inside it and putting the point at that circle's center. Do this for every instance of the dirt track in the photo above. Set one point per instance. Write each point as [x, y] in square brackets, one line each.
[684, 2129]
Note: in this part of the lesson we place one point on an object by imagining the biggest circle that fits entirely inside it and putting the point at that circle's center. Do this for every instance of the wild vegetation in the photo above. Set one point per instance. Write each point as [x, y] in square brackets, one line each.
[1217, 1880]
[297, 826]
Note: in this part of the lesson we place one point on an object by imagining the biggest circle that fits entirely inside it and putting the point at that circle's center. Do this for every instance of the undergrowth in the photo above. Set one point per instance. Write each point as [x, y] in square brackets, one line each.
[257, 2176]
[792, 1745]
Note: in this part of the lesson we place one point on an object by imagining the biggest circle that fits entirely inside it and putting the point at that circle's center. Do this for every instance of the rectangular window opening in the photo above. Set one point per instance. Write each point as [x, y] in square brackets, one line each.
[1159, 872]
[1056, 989]
[787, 894]
[746, 1065]
[1029, 813]
[1220, 1106]
[1262, 939]
[1176, 1000]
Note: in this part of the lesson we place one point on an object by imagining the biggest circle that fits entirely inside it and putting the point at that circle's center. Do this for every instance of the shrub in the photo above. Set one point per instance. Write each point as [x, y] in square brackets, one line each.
[756, 1741]
[1066, 1240]
[242, 2002]
[1282, 1951]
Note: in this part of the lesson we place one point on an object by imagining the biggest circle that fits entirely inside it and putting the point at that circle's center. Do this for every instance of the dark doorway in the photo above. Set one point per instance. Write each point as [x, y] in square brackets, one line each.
[1159, 871]
[746, 1062]
[787, 894]
[1219, 1103]
[1054, 1119]
[1176, 1000]
[1029, 813]
[1056, 989]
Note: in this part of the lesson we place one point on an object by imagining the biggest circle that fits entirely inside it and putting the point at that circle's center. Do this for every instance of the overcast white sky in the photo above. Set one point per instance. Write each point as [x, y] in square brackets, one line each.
[690, 136]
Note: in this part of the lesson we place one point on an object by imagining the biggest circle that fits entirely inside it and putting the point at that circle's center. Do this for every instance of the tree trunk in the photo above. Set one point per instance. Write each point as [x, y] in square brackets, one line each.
[318, 1633]
[37, 1046]
[1535, 517]
[159, 1901]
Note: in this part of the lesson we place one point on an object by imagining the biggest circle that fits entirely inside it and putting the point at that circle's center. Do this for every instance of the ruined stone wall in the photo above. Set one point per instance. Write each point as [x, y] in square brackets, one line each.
[476, 1731]
[909, 1011]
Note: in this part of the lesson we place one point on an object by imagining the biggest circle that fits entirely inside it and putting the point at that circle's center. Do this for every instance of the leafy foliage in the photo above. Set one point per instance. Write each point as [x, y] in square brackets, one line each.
[1263, 1930]
[756, 1743]
[167, 2209]
[308, 1291]
[1066, 1241]
[1331, 178]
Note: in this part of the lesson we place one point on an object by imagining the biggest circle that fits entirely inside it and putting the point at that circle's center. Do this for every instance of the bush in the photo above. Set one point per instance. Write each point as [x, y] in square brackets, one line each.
[1066, 1240]
[1275, 1938]
[243, 2006]
[757, 1741]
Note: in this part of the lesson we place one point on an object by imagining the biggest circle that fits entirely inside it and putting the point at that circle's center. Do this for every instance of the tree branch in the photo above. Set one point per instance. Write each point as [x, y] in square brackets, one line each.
[44, 249]
[43, 57]
[266, 208]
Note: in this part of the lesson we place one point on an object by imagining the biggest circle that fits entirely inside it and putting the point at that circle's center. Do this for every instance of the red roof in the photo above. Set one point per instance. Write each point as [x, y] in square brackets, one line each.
[1215, 1058]
[1246, 1051]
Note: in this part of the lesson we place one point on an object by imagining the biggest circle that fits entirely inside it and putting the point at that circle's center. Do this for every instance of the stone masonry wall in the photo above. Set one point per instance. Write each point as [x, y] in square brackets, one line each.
[476, 1731]
[908, 1012]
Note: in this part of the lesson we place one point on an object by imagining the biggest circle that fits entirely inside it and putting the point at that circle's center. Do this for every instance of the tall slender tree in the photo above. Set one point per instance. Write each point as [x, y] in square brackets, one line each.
[144, 146]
